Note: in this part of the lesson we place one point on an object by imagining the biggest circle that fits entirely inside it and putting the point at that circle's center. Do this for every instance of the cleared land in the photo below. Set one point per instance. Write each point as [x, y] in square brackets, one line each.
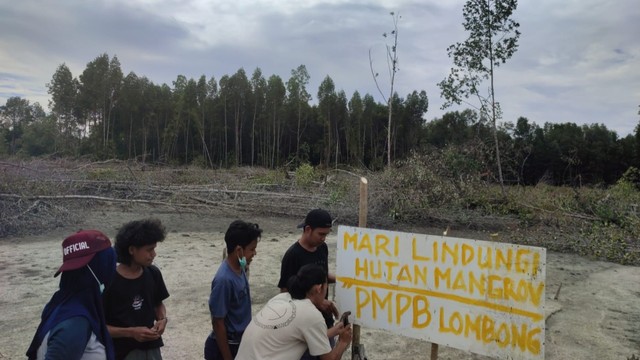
[596, 316]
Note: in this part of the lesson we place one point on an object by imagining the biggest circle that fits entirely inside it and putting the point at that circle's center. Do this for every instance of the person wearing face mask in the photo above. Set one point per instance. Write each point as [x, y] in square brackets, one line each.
[134, 310]
[72, 324]
[230, 299]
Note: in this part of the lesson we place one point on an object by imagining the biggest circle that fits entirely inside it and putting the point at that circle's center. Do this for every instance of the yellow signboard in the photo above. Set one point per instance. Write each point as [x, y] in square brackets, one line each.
[479, 296]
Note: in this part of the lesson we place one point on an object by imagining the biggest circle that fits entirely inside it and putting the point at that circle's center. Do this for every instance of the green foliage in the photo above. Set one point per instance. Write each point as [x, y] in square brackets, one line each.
[270, 177]
[4, 149]
[102, 174]
[339, 191]
[609, 242]
[238, 121]
[493, 39]
[631, 176]
[437, 189]
[40, 138]
[460, 162]
[305, 175]
[190, 175]
[303, 154]
[200, 161]
[416, 187]
[604, 223]
[600, 223]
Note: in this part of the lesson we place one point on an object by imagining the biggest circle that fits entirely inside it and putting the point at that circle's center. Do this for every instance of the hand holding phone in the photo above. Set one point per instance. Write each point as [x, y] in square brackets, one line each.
[345, 318]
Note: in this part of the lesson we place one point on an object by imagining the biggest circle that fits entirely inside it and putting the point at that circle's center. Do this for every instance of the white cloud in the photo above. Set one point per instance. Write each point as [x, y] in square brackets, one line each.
[578, 60]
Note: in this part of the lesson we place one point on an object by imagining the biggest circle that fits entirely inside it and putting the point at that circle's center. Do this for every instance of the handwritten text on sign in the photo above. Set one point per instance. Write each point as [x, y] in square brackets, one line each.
[479, 296]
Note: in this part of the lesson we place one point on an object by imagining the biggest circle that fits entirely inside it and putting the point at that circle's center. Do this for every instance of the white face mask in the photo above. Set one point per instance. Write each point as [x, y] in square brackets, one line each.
[100, 285]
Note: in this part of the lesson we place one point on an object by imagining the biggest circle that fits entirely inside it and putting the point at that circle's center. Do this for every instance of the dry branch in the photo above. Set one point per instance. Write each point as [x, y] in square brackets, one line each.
[568, 214]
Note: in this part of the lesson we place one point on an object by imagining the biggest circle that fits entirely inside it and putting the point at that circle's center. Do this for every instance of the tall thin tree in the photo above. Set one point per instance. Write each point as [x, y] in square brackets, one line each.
[392, 63]
[493, 39]
[63, 89]
[299, 97]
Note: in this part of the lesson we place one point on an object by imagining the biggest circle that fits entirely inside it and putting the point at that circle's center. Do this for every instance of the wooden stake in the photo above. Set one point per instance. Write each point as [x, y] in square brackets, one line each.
[362, 215]
[558, 292]
[434, 351]
[362, 222]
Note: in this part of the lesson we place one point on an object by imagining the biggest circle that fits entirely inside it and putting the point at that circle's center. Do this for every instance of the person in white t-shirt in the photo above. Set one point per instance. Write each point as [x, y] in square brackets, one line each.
[291, 322]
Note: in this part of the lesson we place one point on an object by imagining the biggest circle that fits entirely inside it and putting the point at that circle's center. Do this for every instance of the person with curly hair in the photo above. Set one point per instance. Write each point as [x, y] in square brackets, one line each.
[134, 310]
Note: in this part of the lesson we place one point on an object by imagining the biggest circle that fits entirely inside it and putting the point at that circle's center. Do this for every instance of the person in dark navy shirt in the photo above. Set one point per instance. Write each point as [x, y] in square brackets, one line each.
[73, 324]
[311, 248]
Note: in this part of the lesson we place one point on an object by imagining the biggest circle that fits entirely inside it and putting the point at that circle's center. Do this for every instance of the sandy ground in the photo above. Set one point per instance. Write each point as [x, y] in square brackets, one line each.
[597, 315]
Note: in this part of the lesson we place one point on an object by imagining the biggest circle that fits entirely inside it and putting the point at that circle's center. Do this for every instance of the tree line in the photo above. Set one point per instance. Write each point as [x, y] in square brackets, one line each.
[238, 120]
[242, 120]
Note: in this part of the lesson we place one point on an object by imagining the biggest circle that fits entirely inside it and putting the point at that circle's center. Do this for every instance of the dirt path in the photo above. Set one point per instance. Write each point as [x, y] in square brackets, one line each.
[597, 315]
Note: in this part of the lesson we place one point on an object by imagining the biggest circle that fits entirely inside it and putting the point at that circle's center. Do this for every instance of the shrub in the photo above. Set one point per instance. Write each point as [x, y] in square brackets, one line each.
[631, 176]
[339, 191]
[305, 175]
[270, 177]
[102, 174]
[200, 161]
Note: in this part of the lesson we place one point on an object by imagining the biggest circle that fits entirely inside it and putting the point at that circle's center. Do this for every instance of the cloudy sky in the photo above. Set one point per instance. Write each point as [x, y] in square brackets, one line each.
[578, 60]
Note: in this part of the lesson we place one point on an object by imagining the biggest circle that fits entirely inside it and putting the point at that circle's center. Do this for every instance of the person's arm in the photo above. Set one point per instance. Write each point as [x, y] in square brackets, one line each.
[161, 319]
[329, 307]
[221, 338]
[68, 339]
[343, 344]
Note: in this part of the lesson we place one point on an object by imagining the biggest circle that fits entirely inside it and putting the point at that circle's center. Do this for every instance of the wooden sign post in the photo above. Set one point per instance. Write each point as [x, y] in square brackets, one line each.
[357, 349]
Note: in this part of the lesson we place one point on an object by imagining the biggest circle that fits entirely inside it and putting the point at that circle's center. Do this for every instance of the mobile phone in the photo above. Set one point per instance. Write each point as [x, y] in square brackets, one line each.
[345, 318]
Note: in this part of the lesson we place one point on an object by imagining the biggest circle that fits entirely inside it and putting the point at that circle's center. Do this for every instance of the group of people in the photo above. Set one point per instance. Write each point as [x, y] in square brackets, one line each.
[110, 301]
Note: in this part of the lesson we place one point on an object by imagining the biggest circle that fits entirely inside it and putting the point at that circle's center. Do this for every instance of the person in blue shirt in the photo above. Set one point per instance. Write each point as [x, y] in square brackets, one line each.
[72, 323]
[230, 299]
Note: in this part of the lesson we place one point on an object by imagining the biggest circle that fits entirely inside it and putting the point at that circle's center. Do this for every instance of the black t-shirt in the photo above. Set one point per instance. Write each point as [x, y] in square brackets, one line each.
[132, 302]
[295, 258]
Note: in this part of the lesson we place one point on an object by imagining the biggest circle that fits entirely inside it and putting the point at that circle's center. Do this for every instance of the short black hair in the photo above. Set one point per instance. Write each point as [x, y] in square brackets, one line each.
[138, 233]
[241, 233]
[316, 218]
[307, 277]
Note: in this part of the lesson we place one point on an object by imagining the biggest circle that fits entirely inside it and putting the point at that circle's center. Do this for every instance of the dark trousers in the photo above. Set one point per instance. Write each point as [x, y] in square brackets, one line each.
[212, 352]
